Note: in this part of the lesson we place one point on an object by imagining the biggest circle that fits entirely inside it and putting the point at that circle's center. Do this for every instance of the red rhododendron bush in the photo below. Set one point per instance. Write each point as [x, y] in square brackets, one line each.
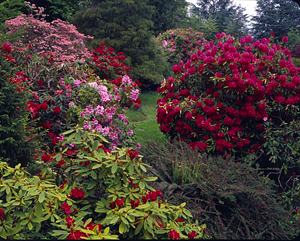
[220, 100]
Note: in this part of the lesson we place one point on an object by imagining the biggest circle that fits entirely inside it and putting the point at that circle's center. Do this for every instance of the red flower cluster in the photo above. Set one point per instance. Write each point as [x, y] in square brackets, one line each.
[132, 155]
[134, 204]
[192, 235]
[66, 208]
[221, 112]
[174, 234]
[56, 110]
[117, 203]
[76, 235]
[75, 193]
[152, 196]
[2, 214]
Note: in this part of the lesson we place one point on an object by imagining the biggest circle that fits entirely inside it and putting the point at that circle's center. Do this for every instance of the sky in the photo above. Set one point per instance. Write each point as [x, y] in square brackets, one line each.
[249, 5]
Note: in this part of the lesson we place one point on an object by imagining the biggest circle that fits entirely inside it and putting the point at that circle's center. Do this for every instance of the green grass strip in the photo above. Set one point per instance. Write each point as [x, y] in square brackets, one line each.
[144, 121]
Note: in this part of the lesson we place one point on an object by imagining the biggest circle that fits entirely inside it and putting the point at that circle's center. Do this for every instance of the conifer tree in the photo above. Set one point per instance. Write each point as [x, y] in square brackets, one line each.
[223, 15]
[277, 16]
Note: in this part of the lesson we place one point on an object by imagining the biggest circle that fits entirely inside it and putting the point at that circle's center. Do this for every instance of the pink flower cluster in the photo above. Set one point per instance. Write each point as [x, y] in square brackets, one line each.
[59, 37]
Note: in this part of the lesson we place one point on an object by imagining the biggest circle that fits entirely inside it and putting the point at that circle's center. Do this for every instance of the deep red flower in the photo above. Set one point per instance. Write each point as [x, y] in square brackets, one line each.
[56, 110]
[76, 235]
[134, 204]
[174, 235]
[75, 193]
[66, 208]
[44, 106]
[192, 235]
[2, 214]
[46, 158]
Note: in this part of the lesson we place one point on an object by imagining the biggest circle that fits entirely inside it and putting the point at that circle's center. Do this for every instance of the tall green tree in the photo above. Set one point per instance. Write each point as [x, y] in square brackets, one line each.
[221, 16]
[124, 25]
[11, 8]
[277, 16]
[168, 14]
[62, 9]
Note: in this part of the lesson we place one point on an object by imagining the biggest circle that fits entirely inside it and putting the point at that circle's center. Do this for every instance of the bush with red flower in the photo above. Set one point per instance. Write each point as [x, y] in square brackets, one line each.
[113, 188]
[229, 96]
[60, 96]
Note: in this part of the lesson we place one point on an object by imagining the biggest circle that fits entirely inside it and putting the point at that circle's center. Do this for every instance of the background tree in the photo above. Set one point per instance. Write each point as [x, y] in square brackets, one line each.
[276, 16]
[294, 38]
[220, 16]
[124, 25]
[168, 14]
[11, 9]
[62, 9]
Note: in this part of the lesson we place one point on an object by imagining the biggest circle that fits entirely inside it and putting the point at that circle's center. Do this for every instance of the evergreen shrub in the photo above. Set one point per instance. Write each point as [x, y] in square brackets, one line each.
[98, 195]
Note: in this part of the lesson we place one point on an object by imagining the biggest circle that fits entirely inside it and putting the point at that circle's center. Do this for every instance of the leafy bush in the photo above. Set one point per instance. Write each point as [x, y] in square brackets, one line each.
[99, 189]
[17, 132]
[232, 198]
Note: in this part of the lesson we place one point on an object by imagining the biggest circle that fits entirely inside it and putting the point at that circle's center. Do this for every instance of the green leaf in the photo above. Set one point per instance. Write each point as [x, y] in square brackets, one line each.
[130, 169]
[121, 228]
[42, 197]
[105, 232]
[30, 226]
[91, 185]
[143, 168]
[38, 210]
[142, 185]
[138, 229]
[95, 145]
[97, 166]
[59, 232]
[87, 222]
[114, 167]
[94, 175]
[115, 219]
[20, 214]
[68, 132]
[70, 137]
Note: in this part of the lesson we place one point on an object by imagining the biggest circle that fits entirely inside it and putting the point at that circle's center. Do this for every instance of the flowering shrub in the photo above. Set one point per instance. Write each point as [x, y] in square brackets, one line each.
[58, 37]
[219, 100]
[180, 44]
[64, 94]
[110, 66]
[92, 185]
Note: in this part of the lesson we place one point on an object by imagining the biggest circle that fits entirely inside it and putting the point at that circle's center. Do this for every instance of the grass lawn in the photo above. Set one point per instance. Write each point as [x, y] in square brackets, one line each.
[144, 121]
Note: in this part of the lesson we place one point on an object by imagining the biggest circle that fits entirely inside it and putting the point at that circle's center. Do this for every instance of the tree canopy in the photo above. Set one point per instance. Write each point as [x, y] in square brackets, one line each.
[277, 16]
[123, 25]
